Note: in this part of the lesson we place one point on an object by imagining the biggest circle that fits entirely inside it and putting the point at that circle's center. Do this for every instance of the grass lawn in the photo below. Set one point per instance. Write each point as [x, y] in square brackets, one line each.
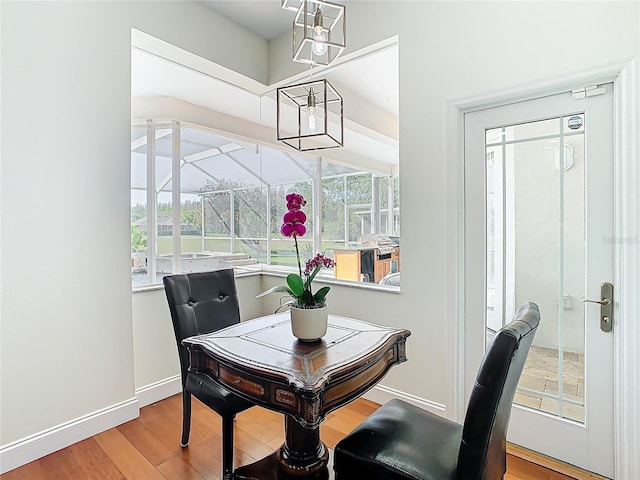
[282, 251]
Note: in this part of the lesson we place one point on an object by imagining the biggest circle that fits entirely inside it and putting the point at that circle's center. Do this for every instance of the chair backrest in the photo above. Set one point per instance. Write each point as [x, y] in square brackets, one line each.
[482, 453]
[200, 303]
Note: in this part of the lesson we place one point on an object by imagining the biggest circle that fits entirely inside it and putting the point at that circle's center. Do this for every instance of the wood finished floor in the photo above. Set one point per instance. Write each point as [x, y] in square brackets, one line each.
[148, 447]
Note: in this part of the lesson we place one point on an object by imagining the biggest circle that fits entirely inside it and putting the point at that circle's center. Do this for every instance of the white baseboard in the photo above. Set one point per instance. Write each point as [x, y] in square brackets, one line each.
[31, 448]
[28, 449]
[157, 391]
[381, 394]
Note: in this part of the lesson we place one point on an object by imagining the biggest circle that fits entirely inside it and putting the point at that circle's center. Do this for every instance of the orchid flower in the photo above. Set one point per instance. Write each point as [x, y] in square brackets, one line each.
[297, 287]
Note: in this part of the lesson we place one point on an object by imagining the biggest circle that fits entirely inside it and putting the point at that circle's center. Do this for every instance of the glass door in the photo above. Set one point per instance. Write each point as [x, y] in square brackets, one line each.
[539, 194]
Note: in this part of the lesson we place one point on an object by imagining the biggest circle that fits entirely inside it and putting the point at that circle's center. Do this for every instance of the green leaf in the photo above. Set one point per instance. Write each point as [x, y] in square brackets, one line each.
[320, 294]
[295, 284]
[276, 289]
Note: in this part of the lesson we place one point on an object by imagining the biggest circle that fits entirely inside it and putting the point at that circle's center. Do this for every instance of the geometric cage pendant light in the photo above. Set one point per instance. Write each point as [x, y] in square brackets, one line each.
[310, 116]
[319, 31]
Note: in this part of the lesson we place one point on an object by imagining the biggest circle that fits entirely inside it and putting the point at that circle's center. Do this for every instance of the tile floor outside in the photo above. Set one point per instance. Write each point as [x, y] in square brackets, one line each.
[539, 383]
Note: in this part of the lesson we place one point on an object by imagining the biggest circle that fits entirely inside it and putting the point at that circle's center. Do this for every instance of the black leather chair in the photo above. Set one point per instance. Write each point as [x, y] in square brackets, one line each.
[400, 441]
[202, 303]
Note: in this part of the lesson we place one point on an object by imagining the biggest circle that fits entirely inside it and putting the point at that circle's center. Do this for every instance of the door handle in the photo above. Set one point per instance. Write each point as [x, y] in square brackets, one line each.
[606, 306]
[604, 301]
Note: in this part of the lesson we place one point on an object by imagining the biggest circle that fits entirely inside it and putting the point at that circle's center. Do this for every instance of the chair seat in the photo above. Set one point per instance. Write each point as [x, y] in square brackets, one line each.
[214, 395]
[400, 441]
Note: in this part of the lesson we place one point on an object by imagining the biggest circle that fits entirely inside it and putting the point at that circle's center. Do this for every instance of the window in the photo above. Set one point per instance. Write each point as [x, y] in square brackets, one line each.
[231, 203]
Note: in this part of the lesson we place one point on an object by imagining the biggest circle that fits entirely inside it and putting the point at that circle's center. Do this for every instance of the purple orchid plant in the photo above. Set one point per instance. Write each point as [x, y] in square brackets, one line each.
[299, 285]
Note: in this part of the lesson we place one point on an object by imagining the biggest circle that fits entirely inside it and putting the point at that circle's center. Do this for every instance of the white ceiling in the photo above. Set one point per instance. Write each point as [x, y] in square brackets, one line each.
[268, 19]
[152, 76]
[265, 18]
[373, 77]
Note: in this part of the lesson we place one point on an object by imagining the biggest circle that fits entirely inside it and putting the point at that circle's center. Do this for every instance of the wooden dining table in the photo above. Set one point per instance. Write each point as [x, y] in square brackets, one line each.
[262, 361]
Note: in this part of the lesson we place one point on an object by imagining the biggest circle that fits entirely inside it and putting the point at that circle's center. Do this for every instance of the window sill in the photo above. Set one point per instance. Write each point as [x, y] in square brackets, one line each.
[274, 271]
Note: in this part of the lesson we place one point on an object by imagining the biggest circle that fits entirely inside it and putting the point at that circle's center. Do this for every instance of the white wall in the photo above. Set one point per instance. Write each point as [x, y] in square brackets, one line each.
[67, 344]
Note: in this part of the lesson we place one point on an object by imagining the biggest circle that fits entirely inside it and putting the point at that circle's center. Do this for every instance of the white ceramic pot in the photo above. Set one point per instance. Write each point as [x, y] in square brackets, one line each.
[308, 324]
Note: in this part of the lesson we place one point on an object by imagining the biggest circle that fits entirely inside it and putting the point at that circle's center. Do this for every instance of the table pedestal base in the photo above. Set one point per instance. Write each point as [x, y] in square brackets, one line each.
[269, 469]
[303, 456]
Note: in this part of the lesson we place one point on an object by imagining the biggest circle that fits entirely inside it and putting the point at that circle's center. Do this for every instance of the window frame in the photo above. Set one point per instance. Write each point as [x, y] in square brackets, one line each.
[151, 137]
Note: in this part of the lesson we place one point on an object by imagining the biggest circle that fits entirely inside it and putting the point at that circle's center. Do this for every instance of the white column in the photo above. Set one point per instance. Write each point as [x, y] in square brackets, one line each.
[317, 207]
[390, 206]
[175, 197]
[152, 202]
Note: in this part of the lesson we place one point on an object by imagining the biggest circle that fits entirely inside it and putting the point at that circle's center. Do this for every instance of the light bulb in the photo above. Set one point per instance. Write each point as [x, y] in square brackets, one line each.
[312, 120]
[319, 46]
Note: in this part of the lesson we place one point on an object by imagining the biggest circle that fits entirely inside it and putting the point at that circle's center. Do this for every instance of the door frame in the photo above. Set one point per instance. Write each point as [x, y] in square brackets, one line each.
[625, 77]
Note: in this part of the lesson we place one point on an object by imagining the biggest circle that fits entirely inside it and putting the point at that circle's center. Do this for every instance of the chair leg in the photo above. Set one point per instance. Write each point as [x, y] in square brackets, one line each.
[186, 418]
[227, 445]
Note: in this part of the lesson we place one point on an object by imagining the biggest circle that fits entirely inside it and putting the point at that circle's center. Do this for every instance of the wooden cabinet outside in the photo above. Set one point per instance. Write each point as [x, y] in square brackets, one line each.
[364, 264]
[347, 264]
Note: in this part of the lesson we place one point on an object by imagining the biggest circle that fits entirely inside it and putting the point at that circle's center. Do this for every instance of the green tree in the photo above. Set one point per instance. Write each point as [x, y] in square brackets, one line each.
[190, 214]
[138, 239]
[248, 214]
[138, 211]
